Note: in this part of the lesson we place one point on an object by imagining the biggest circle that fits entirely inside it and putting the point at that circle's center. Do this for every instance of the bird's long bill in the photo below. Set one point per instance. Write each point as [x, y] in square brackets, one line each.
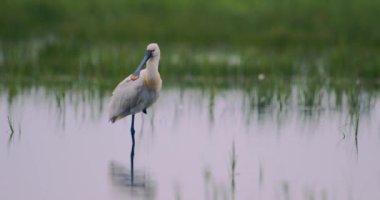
[148, 54]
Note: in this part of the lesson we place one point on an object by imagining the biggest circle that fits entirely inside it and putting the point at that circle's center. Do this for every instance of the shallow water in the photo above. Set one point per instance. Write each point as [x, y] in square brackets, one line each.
[193, 144]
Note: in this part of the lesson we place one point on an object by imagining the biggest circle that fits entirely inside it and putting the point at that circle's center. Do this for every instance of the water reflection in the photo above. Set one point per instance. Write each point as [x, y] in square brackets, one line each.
[133, 182]
[269, 141]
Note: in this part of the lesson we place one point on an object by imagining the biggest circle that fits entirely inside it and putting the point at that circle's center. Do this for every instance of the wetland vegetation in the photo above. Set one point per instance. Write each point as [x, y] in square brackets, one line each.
[261, 99]
[101, 40]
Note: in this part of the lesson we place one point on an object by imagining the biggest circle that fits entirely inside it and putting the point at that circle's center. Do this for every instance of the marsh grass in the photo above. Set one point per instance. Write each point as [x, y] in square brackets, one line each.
[103, 62]
[262, 100]
[213, 41]
[233, 161]
[11, 129]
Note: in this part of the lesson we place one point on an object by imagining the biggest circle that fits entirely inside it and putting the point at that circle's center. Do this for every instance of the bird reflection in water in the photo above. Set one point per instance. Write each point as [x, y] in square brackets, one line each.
[133, 182]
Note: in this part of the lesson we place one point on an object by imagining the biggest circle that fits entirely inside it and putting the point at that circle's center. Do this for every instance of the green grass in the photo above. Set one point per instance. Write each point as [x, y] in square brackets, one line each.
[200, 40]
[241, 22]
[114, 61]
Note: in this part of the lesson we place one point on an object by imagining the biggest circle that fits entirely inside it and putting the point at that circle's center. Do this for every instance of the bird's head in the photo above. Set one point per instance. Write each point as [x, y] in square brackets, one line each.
[153, 49]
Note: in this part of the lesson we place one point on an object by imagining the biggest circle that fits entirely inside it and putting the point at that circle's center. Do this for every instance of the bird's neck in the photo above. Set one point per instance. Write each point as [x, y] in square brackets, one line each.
[152, 68]
[152, 78]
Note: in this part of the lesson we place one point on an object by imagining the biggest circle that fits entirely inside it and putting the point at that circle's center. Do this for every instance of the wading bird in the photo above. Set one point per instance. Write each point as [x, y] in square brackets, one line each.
[138, 91]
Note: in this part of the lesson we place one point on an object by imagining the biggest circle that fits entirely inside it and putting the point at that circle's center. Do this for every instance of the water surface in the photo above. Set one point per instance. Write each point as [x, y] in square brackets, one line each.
[194, 143]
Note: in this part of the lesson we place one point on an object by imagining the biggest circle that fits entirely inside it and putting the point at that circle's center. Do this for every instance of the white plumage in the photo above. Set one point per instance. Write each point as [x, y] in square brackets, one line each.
[139, 90]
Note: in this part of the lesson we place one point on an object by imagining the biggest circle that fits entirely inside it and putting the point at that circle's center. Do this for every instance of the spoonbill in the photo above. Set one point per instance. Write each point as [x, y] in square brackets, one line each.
[138, 91]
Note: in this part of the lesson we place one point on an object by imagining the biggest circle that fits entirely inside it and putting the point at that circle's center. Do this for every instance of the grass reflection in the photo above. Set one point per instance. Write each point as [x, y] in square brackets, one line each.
[269, 100]
[263, 99]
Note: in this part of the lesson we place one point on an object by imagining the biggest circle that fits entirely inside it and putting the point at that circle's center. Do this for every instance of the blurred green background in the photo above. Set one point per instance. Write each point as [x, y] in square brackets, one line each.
[217, 40]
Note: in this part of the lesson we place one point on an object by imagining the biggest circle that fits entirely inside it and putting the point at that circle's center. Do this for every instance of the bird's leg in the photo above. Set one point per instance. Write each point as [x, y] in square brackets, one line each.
[133, 146]
[144, 111]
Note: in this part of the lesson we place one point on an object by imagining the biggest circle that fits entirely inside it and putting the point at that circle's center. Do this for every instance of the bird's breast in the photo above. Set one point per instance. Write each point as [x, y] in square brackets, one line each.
[153, 83]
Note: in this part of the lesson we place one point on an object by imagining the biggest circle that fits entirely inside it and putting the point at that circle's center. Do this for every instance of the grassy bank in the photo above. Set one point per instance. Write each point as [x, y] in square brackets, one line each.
[43, 59]
[238, 40]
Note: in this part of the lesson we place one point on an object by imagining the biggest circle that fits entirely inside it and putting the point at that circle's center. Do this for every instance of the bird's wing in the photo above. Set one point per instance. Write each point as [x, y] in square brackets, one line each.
[125, 96]
[122, 84]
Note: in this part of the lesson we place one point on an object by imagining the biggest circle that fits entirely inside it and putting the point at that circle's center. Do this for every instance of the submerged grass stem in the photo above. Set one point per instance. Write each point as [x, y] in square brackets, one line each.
[10, 124]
